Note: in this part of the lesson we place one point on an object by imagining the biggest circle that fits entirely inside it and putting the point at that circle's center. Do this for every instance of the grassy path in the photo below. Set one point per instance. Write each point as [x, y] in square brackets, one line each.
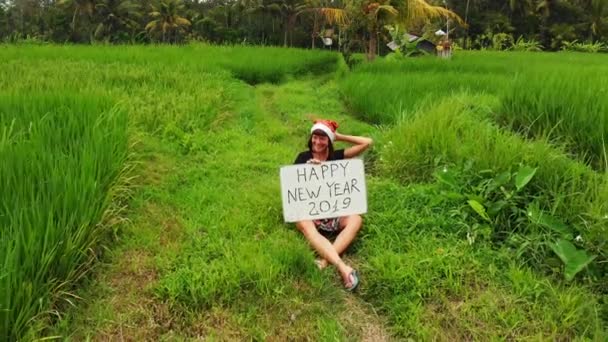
[205, 252]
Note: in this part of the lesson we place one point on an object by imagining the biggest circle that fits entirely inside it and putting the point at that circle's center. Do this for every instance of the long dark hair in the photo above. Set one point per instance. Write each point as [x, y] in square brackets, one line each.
[321, 133]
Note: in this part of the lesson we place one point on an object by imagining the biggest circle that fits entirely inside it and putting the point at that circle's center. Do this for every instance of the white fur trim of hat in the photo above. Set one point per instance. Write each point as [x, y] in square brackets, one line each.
[326, 129]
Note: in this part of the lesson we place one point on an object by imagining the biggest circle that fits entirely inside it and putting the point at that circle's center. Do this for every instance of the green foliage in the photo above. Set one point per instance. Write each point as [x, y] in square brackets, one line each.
[504, 210]
[277, 64]
[406, 48]
[570, 108]
[495, 199]
[167, 21]
[422, 272]
[384, 91]
[62, 155]
[355, 59]
[445, 134]
[502, 41]
[531, 45]
[574, 260]
[584, 47]
[119, 18]
[523, 176]
[489, 24]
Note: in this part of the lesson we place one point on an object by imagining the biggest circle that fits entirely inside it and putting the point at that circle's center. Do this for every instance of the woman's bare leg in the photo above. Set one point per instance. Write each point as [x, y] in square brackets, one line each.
[325, 249]
[350, 227]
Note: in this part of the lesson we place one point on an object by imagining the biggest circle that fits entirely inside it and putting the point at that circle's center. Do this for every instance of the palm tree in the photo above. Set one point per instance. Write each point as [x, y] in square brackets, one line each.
[406, 13]
[545, 7]
[80, 7]
[598, 17]
[416, 12]
[289, 10]
[116, 16]
[167, 18]
[375, 13]
[522, 6]
[270, 8]
[319, 13]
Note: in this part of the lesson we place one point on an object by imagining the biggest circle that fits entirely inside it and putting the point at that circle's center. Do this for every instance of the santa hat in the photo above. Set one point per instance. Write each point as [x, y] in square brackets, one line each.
[327, 126]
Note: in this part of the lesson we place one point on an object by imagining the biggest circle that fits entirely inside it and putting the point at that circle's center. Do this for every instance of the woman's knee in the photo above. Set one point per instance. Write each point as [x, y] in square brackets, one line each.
[357, 221]
[305, 226]
[353, 220]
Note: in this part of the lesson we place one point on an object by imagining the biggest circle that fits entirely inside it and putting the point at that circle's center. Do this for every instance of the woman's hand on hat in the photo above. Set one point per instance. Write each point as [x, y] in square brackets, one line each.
[313, 161]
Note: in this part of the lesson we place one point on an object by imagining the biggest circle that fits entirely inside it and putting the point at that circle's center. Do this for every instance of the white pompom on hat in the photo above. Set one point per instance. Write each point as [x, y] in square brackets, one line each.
[327, 126]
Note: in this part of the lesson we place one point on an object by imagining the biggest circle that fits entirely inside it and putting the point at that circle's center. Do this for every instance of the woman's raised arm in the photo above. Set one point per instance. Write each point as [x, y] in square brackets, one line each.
[360, 144]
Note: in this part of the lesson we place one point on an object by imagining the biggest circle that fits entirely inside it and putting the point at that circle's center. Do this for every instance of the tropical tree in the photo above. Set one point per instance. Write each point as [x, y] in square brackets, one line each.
[598, 20]
[372, 15]
[360, 24]
[289, 10]
[167, 19]
[79, 8]
[376, 14]
[3, 19]
[320, 13]
[544, 9]
[414, 13]
[267, 11]
[116, 17]
[521, 6]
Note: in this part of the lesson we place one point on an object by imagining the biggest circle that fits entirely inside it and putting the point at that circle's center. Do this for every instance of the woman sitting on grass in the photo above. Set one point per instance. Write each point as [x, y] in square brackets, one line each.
[320, 148]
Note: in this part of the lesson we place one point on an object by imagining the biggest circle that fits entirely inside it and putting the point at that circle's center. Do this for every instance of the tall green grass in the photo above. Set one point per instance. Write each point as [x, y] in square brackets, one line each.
[250, 64]
[432, 284]
[61, 155]
[384, 91]
[563, 94]
[460, 133]
[387, 95]
[570, 107]
[63, 146]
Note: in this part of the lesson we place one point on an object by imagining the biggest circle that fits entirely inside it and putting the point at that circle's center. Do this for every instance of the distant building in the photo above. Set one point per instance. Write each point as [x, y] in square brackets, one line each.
[422, 44]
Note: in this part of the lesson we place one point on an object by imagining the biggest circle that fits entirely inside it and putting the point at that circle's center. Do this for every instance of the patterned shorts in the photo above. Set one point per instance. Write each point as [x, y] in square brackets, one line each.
[328, 225]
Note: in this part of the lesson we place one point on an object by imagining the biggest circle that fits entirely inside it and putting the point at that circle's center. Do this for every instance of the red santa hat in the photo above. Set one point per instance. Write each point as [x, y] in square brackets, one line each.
[327, 126]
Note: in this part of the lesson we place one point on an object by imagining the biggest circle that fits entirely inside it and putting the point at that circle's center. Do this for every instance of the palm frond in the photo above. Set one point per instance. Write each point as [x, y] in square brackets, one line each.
[99, 30]
[420, 10]
[387, 9]
[182, 21]
[151, 25]
[334, 15]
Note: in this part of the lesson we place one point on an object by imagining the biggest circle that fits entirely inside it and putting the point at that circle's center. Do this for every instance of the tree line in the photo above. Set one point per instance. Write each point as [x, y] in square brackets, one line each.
[347, 25]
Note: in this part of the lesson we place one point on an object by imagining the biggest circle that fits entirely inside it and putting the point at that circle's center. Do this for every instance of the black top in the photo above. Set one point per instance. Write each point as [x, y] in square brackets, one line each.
[305, 156]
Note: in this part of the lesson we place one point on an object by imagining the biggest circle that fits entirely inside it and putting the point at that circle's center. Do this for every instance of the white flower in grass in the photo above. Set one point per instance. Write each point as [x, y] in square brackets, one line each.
[445, 169]
[578, 238]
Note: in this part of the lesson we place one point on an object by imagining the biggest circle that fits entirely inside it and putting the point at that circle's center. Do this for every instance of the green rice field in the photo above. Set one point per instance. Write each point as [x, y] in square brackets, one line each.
[140, 195]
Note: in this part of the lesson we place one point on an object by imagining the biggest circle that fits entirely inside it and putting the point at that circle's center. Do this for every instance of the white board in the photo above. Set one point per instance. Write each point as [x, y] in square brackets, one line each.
[330, 189]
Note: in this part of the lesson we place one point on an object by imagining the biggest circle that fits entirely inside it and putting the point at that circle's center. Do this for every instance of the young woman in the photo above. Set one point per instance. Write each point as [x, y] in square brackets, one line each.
[320, 148]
